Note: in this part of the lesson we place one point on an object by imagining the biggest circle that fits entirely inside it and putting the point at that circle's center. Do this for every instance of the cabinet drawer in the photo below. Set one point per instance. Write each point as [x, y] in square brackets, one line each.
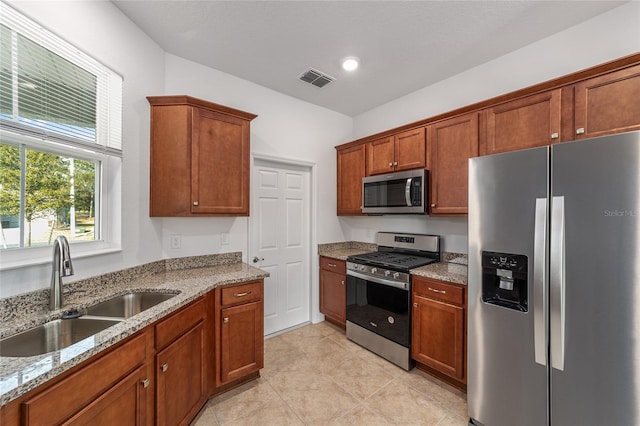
[333, 265]
[178, 324]
[55, 404]
[439, 291]
[241, 293]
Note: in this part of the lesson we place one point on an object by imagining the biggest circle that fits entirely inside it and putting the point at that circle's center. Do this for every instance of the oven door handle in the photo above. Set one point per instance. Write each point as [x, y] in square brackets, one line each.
[403, 286]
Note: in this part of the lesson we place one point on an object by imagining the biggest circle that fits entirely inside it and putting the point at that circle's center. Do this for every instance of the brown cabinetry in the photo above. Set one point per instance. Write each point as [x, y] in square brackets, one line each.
[333, 290]
[523, 123]
[451, 143]
[239, 331]
[607, 104]
[115, 385]
[351, 170]
[403, 151]
[199, 158]
[439, 328]
[181, 365]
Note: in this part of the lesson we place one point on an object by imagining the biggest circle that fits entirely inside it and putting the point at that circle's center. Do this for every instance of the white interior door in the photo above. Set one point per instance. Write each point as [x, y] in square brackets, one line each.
[280, 241]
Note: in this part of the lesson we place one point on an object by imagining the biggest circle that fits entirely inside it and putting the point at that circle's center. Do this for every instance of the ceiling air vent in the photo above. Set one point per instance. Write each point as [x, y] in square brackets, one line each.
[316, 78]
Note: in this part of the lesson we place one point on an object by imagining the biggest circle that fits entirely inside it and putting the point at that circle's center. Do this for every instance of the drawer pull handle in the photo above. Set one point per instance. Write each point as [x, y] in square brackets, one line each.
[241, 294]
[437, 291]
[332, 265]
[225, 320]
[580, 131]
[145, 383]
[195, 203]
[165, 367]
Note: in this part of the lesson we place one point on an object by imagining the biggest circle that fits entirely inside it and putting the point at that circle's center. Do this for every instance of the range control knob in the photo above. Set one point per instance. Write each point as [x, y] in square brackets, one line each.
[396, 275]
[387, 273]
[374, 270]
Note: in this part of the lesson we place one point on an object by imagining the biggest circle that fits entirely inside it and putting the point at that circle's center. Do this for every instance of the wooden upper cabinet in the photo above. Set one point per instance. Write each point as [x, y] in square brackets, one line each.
[199, 158]
[351, 170]
[523, 123]
[608, 104]
[451, 143]
[403, 151]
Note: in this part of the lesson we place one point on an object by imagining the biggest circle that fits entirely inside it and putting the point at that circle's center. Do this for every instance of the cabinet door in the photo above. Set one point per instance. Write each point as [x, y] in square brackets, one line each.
[523, 123]
[438, 336]
[123, 404]
[180, 378]
[451, 143]
[219, 164]
[333, 296]
[380, 156]
[608, 104]
[410, 150]
[351, 168]
[241, 341]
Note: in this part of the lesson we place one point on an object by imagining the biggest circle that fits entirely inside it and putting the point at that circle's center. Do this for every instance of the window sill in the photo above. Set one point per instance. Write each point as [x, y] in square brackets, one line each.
[24, 258]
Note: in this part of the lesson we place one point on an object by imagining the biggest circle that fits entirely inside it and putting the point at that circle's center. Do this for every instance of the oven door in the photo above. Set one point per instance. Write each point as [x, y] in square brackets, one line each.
[378, 307]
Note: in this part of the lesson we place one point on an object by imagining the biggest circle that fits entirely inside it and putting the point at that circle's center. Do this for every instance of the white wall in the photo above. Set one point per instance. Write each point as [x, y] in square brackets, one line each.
[606, 37]
[101, 30]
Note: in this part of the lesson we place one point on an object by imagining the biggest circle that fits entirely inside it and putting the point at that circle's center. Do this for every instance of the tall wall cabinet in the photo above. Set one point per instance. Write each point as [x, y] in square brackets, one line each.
[199, 158]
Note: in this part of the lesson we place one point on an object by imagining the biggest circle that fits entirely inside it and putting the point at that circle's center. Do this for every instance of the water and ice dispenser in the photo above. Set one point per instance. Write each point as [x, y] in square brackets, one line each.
[504, 280]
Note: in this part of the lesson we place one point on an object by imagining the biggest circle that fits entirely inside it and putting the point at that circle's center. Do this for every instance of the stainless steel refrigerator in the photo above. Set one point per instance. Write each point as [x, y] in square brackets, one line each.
[554, 285]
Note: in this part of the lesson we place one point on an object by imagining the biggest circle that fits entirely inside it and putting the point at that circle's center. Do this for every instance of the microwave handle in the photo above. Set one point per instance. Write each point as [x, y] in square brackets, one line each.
[407, 192]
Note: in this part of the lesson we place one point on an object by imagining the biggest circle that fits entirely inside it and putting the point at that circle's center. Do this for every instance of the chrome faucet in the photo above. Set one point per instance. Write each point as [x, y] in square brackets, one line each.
[61, 267]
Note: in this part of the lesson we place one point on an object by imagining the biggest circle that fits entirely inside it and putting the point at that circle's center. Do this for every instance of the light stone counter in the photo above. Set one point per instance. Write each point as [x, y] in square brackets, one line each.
[343, 250]
[189, 278]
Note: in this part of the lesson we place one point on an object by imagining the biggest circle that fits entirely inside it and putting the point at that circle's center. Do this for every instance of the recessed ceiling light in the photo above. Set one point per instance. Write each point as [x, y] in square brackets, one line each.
[351, 63]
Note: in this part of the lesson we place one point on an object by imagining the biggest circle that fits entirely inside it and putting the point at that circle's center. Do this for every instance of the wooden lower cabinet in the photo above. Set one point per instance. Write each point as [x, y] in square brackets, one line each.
[180, 378]
[123, 404]
[439, 329]
[333, 290]
[239, 331]
[161, 375]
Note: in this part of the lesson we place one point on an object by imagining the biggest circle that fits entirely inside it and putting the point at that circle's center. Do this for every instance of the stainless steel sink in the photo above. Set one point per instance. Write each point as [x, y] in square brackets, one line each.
[52, 336]
[127, 305]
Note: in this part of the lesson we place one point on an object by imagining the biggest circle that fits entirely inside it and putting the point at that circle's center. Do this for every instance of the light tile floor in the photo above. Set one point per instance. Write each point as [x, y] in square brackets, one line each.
[314, 376]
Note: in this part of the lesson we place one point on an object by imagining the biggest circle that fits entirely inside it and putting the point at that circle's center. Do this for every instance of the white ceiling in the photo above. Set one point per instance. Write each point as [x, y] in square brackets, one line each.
[403, 45]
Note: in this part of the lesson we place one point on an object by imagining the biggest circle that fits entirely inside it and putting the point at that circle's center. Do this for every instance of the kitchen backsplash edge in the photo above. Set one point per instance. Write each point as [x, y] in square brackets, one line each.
[37, 302]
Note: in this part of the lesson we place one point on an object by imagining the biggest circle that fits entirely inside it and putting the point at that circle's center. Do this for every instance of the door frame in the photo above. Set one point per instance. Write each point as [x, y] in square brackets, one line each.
[314, 290]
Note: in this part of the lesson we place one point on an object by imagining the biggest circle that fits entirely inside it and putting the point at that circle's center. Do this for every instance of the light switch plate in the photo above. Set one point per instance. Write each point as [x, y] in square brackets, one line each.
[175, 241]
[224, 239]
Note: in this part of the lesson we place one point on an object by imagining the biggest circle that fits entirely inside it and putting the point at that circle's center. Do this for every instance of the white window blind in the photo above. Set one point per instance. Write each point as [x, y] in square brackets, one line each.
[55, 92]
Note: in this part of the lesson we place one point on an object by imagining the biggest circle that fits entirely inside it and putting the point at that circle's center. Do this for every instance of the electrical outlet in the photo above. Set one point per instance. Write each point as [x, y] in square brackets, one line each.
[224, 239]
[175, 241]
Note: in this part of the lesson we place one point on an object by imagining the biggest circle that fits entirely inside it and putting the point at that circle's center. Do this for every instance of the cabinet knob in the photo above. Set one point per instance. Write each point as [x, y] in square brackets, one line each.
[433, 205]
[225, 320]
[554, 135]
[390, 164]
[342, 282]
[415, 305]
[395, 163]
[165, 367]
[145, 383]
[580, 131]
[195, 203]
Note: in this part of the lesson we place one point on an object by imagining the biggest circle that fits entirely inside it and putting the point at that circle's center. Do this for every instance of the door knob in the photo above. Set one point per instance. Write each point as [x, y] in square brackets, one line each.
[257, 259]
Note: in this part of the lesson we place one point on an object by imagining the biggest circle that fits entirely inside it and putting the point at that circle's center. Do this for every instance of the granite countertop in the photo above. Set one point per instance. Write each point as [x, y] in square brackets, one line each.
[189, 278]
[452, 268]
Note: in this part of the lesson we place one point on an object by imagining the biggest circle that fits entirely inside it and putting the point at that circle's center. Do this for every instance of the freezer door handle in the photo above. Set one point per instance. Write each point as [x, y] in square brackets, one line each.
[539, 282]
[557, 283]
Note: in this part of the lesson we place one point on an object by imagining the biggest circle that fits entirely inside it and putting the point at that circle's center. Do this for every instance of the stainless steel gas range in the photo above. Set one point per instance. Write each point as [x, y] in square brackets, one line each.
[379, 293]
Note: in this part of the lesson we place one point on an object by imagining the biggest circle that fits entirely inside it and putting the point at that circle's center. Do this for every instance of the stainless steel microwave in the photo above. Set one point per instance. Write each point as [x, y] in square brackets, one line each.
[395, 193]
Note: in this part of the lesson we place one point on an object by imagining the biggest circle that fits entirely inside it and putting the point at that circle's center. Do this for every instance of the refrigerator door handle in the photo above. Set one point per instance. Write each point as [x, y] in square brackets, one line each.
[540, 282]
[557, 283]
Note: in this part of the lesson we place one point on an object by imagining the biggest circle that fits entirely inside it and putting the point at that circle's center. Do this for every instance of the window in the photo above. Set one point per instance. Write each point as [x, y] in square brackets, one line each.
[60, 122]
